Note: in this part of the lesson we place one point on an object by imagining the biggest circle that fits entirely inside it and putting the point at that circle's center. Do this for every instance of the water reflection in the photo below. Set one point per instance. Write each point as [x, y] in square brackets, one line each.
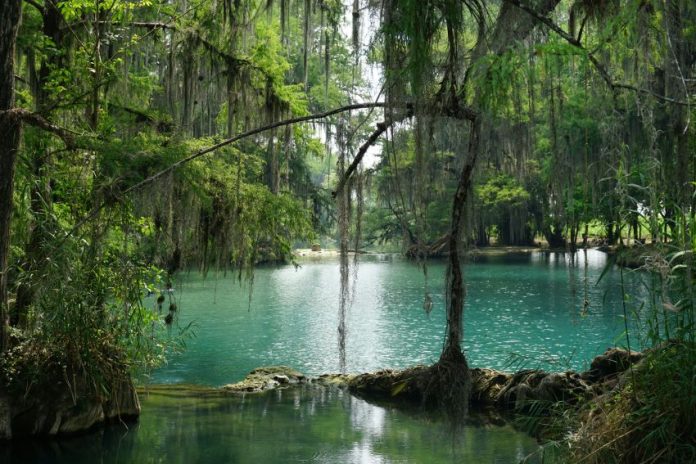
[593, 258]
[302, 425]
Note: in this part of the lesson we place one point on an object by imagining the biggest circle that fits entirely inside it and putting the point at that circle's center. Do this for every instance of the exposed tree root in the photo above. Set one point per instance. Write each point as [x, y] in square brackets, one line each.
[449, 385]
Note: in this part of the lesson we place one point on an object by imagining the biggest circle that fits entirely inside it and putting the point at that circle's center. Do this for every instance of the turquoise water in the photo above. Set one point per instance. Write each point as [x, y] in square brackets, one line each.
[316, 425]
[527, 310]
[522, 310]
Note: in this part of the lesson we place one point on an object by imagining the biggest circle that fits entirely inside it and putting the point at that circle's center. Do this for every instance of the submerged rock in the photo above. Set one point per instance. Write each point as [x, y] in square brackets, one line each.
[486, 385]
[542, 388]
[489, 388]
[77, 418]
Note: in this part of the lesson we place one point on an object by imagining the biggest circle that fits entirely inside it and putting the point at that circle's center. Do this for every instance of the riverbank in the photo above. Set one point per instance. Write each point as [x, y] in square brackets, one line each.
[490, 388]
[318, 253]
[573, 410]
[65, 410]
[289, 301]
[308, 423]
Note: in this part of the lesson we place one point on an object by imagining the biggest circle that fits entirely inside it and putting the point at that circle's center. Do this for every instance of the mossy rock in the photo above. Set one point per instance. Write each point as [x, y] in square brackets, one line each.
[334, 380]
[486, 385]
[267, 378]
[612, 362]
[66, 411]
[492, 388]
[408, 384]
[179, 390]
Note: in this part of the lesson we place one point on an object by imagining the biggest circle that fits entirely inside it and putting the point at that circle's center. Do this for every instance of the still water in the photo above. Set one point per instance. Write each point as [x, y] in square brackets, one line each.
[310, 425]
[523, 310]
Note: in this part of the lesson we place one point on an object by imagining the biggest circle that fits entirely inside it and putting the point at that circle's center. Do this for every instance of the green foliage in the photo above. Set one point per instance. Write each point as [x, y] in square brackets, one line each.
[268, 56]
[502, 191]
[88, 325]
[140, 86]
[496, 76]
[75, 9]
[396, 214]
[649, 419]
[247, 219]
[648, 416]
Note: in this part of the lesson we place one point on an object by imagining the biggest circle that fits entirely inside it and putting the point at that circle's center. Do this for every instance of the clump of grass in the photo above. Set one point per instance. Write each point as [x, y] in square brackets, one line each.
[86, 332]
[649, 418]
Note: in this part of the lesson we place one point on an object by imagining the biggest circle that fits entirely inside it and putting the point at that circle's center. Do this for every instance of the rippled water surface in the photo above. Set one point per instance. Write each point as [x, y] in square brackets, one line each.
[314, 425]
[528, 309]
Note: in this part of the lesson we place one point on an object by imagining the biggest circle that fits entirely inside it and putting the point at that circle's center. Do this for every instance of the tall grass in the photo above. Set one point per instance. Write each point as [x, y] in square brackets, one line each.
[650, 417]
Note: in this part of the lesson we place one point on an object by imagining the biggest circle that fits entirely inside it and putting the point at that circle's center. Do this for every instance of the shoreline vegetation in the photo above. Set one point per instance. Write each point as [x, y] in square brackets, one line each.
[598, 415]
[628, 254]
[492, 390]
[488, 250]
[532, 400]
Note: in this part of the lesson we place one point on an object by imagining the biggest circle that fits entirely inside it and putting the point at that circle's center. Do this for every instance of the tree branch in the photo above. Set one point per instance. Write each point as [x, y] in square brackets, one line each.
[35, 4]
[151, 26]
[249, 133]
[36, 120]
[95, 211]
[454, 110]
[601, 69]
[464, 112]
[651, 93]
[381, 128]
[582, 27]
[547, 21]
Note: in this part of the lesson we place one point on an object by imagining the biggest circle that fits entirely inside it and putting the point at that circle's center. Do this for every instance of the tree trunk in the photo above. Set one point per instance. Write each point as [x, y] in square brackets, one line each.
[573, 245]
[636, 228]
[455, 280]
[482, 238]
[450, 382]
[272, 163]
[611, 236]
[10, 134]
[677, 71]
[672, 119]
[585, 236]
[450, 377]
[554, 236]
